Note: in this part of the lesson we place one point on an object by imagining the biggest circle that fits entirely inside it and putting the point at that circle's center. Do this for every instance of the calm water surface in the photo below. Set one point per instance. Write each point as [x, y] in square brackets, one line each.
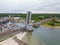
[43, 36]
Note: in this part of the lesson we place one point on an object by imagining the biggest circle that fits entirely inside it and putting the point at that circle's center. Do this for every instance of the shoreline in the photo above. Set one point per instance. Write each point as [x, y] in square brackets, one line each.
[51, 26]
[15, 40]
[21, 35]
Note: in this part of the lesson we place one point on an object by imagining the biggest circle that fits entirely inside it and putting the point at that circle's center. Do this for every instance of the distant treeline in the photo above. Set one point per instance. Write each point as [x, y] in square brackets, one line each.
[34, 16]
[12, 15]
[37, 16]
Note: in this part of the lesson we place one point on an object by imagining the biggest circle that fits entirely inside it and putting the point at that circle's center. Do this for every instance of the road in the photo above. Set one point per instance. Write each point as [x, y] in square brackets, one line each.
[38, 23]
[9, 34]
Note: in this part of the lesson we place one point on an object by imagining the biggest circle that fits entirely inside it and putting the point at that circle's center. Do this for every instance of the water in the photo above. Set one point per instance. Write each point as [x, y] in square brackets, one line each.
[20, 24]
[43, 36]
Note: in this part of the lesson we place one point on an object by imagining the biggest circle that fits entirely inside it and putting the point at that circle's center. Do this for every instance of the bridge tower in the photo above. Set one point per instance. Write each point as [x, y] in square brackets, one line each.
[28, 21]
[28, 18]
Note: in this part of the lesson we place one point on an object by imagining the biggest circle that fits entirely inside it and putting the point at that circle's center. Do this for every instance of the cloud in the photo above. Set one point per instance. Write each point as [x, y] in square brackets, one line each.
[16, 6]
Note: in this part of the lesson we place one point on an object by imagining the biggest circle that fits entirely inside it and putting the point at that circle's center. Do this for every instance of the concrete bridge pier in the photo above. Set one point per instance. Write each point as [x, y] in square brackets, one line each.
[28, 21]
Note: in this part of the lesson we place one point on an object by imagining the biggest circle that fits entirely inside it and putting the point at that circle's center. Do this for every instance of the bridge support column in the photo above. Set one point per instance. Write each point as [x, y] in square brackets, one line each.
[28, 21]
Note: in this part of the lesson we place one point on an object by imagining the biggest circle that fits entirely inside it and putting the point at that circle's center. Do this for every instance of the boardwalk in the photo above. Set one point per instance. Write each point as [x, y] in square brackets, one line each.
[15, 40]
[20, 42]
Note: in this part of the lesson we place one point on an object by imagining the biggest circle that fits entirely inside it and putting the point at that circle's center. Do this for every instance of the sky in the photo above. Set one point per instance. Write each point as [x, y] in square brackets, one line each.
[36, 6]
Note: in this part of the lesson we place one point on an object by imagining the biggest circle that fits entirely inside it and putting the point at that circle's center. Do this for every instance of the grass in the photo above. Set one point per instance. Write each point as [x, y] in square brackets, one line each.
[53, 23]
